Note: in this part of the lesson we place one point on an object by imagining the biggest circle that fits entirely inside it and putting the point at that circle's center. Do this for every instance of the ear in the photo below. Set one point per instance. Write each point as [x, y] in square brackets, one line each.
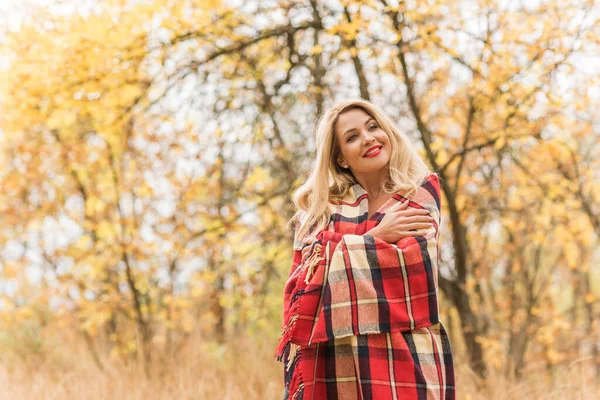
[342, 163]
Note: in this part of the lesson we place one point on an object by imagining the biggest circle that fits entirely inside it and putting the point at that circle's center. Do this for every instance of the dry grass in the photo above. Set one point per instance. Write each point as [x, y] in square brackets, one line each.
[575, 381]
[242, 370]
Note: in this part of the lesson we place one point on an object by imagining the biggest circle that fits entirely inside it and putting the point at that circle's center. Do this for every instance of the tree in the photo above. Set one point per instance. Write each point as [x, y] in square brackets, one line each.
[167, 138]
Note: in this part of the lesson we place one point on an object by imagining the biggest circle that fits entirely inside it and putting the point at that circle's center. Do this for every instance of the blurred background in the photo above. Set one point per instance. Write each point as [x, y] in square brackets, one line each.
[148, 151]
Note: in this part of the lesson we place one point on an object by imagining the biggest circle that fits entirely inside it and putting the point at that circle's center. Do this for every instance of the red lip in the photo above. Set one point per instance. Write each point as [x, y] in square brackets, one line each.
[371, 148]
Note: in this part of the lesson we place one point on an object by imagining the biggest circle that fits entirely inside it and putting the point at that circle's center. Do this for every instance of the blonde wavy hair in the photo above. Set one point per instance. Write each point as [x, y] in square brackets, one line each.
[329, 182]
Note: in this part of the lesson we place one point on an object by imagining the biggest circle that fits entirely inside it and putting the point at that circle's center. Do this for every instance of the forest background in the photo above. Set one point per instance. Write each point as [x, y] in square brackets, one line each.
[149, 149]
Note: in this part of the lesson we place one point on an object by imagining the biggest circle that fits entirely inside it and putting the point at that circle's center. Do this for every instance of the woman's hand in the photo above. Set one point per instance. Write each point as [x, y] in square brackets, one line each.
[405, 222]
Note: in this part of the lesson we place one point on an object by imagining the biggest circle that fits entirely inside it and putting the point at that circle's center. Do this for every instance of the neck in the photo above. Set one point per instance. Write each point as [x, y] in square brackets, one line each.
[372, 183]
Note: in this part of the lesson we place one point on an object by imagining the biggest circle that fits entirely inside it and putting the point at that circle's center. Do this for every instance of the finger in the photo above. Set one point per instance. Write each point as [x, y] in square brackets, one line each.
[414, 232]
[420, 210]
[414, 211]
[418, 218]
[425, 218]
[419, 232]
[417, 225]
[399, 207]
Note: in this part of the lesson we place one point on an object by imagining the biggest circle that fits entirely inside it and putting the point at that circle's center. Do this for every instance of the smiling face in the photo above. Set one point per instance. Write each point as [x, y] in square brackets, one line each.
[357, 132]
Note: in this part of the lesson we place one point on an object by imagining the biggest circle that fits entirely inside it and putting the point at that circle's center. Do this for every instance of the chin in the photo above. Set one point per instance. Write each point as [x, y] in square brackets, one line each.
[369, 166]
[372, 168]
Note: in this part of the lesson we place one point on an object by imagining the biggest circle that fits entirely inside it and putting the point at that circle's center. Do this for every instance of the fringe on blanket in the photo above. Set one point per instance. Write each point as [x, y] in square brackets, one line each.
[312, 262]
[295, 386]
[308, 269]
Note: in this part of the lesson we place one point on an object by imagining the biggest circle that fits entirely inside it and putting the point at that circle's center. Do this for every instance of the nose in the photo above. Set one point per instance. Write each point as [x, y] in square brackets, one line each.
[368, 138]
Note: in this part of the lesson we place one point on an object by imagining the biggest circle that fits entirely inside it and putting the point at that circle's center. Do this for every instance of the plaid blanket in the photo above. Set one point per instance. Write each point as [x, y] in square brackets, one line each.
[360, 314]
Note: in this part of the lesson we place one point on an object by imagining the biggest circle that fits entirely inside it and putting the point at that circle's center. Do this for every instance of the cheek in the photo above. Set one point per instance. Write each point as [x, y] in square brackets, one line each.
[384, 139]
[349, 149]
[356, 149]
[343, 150]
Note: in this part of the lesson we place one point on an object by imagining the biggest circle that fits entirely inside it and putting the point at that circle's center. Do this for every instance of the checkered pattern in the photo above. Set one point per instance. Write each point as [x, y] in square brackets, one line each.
[361, 314]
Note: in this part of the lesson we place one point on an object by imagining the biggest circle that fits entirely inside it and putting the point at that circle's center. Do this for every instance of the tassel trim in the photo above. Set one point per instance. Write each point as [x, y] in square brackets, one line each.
[299, 392]
[296, 385]
[308, 268]
[312, 262]
[293, 351]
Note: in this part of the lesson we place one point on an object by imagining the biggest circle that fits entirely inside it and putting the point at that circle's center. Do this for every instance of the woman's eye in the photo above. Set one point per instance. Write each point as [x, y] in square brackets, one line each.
[373, 126]
[351, 137]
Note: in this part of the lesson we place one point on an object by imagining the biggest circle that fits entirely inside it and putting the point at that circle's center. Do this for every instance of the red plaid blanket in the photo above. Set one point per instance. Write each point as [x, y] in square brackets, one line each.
[361, 314]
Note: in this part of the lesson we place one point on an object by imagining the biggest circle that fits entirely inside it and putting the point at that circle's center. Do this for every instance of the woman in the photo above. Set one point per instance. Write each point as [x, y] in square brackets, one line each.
[360, 303]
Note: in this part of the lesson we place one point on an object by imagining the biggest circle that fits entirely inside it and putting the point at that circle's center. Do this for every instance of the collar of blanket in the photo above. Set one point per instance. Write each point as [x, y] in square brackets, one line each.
[348, 282]
[356, 191]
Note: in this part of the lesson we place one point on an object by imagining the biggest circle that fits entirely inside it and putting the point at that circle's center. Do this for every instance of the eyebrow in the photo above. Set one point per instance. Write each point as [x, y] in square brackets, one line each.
[353, 129]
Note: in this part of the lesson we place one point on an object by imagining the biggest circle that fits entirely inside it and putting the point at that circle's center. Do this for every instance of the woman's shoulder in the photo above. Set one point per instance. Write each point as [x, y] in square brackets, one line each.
[430, 183]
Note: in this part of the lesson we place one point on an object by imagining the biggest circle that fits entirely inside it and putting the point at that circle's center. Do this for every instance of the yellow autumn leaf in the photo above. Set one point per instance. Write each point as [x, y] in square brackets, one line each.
[589, 298]
[9, 270]
[554, 356]
[257, 179]
[104, 230]
[500, 142]
[316, 49]
[571, 254]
